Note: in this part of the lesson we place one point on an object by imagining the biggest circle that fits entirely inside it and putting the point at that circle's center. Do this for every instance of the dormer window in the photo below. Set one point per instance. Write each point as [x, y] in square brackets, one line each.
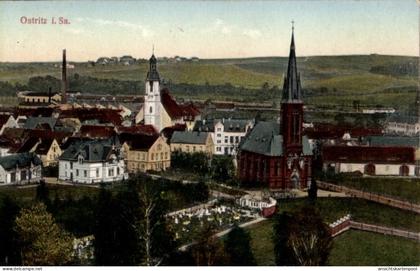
[80, 159]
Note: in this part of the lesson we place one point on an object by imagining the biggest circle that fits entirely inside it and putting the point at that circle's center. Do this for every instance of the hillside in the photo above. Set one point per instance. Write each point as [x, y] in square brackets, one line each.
[373, 79]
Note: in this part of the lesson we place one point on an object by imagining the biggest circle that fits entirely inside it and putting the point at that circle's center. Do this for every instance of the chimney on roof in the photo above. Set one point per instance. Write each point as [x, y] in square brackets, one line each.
[64, 78]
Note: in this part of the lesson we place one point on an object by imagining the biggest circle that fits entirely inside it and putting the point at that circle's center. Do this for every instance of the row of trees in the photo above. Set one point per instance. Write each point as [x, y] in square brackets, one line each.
[218, 167]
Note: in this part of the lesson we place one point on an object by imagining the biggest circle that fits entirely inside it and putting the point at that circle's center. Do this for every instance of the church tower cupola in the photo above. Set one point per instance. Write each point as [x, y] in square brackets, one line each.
[291, 88]
[152, 74]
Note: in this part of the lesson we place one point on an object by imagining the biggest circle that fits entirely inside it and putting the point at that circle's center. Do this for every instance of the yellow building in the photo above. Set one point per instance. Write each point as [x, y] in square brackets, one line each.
[47, 149]
[144, 153]
[192, 142]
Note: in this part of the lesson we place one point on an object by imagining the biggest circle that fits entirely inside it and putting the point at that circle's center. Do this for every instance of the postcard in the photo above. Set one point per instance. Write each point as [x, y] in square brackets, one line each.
[210, 133]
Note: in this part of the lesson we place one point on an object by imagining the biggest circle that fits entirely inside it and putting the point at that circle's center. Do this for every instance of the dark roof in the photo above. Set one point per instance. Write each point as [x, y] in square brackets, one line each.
[40, 122]
[291, 87]
[91, 151]
[229, 125]
[265, 139]
[138, 142]
[44, 146]
[29, 144]
[21, 160]
[365, 154]
[45, 94]
[397, 141]
[399, 118]
[188, 137]
[152, 74]
[3, 119]
[36, 112]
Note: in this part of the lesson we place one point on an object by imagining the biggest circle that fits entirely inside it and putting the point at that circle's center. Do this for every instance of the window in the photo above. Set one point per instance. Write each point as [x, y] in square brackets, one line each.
[111, 172]
[219, 141]
[97, 172]
[85, 173]
[65, 166]
[77, 172]
[151, 110]
[236, 139]
[219, 135]
[153, 157]
[118, 171]
[219, 149]
[194, 148]
[71, 165]
[226, 139]
[159, 147]
[187, 148]
[219, 129]
[231, 139]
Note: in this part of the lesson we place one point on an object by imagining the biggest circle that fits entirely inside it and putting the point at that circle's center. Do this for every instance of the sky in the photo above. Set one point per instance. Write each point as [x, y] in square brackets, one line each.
[206, 29]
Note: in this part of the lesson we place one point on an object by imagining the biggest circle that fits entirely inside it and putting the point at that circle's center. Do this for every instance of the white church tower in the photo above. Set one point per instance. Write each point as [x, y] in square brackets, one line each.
[152, 103]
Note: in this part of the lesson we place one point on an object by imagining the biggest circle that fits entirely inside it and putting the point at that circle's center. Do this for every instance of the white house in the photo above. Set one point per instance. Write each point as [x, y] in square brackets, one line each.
[92, 161]
[20, 168]
[226, 133]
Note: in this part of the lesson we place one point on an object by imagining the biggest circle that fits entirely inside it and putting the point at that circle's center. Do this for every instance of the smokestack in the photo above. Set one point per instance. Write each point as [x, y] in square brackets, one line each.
[49, 95]
[64, 78]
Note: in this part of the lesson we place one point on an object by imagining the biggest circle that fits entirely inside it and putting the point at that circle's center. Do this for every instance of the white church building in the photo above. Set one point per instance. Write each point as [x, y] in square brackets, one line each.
[160, 109]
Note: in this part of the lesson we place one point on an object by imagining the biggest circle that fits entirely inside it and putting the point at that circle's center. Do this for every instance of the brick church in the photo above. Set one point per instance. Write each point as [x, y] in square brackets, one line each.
[279, 156]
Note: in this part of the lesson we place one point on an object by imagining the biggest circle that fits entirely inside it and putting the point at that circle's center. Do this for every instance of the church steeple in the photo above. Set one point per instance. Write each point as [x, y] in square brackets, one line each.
[152, 74]
[291, 87]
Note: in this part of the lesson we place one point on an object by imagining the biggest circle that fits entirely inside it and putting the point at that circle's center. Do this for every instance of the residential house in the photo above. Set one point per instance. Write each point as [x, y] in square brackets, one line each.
[92, 161]
[189, 141]
[226, 133]
[47, 149]
[146, 152]
[20, 168]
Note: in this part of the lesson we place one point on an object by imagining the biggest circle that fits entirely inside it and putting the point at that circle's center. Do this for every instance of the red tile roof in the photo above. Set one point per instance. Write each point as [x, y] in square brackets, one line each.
[330, 131]
[138, 129]
[168, 131]
[175, 110]
[105, 115]
[365, 154]
[96, 131]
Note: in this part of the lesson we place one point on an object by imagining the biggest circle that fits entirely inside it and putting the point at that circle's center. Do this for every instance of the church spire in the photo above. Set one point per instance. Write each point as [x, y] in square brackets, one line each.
[291, 86]
[152, 74]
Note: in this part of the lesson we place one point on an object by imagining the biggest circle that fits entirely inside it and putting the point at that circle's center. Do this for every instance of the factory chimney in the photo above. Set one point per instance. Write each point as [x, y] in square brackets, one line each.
[64, 78]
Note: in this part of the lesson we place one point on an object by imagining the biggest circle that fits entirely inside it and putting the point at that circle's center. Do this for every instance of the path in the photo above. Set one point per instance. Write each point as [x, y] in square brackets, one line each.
[405, 205]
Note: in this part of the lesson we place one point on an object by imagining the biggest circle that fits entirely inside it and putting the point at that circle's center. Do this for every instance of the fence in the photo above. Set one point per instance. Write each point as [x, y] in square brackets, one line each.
[405, 205]
[346, 223]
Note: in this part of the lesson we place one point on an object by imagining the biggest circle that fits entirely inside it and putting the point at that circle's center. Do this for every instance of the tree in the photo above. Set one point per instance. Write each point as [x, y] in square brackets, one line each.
[281, 231]
[9, 248]
[313, 191]
[104, 230]
[222, 168]
[156, 240]
[310, 238]
[43, 241]
[302, 238]
[208, 250]
[237, 247]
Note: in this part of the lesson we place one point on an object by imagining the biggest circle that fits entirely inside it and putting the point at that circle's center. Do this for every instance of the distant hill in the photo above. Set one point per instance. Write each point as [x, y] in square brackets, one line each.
[388, 80]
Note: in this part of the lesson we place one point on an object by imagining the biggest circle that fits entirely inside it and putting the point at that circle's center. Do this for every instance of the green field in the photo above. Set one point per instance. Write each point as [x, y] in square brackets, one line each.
[365, 248]
[401, 188]
[362, 211]
[344, 78]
